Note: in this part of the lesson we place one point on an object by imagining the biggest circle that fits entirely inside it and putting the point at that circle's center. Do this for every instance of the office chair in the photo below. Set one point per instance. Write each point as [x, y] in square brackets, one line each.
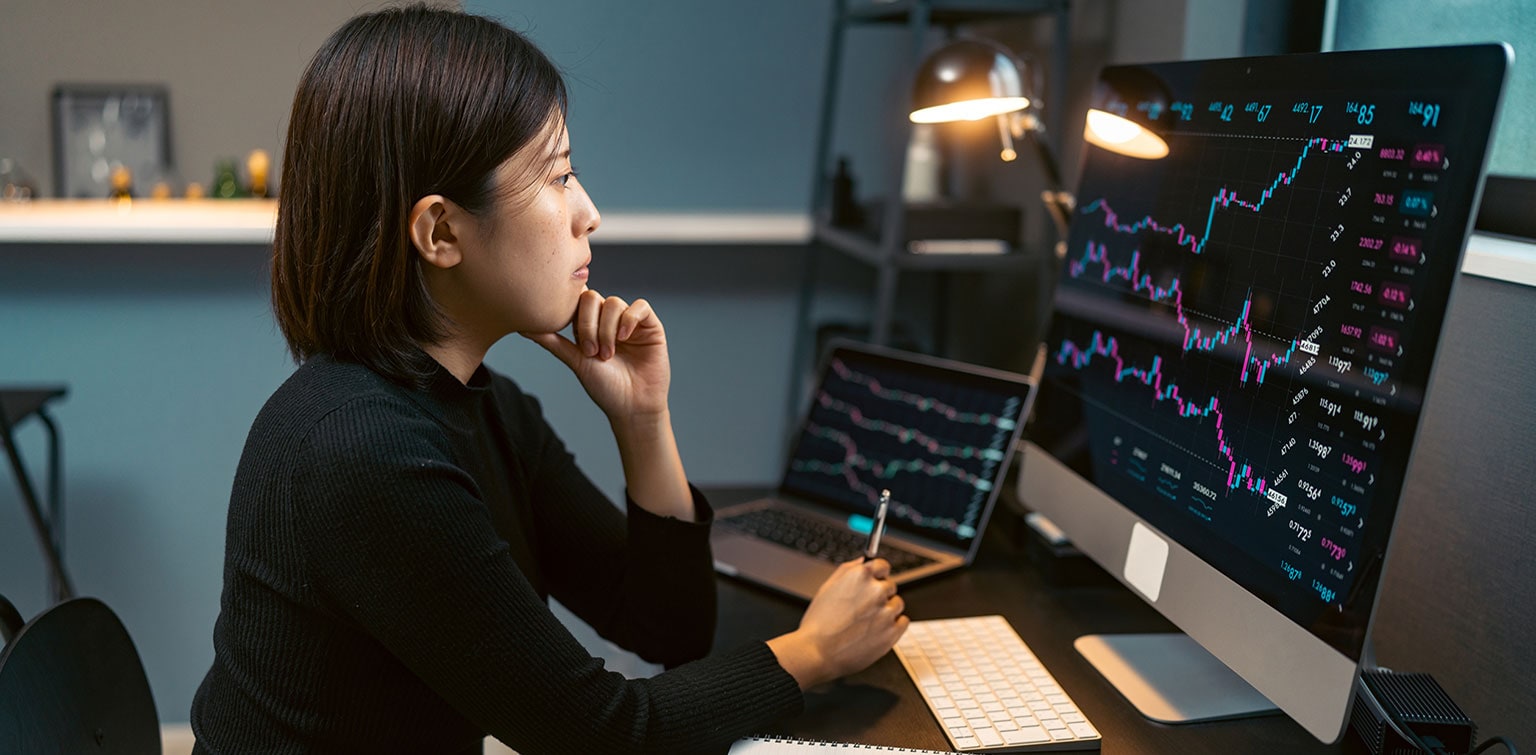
[71, 681]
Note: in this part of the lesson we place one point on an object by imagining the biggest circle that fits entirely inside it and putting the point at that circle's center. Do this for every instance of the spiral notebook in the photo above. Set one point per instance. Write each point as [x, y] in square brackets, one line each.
[789, 746]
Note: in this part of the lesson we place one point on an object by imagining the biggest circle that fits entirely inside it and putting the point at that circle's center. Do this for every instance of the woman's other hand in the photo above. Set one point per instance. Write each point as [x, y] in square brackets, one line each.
[619, 355]
[855, 617]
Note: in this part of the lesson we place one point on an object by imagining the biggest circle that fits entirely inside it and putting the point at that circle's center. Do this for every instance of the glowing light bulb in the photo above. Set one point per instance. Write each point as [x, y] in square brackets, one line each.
[969, 110]
[1123, 136]
[1111, 127]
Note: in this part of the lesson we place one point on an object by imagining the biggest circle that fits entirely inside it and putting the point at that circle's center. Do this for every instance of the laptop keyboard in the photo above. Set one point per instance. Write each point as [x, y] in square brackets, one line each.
[818, 538]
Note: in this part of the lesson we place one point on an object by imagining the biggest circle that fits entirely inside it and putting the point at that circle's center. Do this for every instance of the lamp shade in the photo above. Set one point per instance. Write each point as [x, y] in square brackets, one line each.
[1128, 104]
[967, 80]
[1123, 136]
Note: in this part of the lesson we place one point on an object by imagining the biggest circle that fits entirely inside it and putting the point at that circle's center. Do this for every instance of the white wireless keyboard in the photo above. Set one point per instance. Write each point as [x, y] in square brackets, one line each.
[988, 691]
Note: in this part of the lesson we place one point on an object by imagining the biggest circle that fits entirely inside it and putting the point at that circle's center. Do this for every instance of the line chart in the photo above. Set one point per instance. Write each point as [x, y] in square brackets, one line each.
[1194, 338]
[938, 445]
[1239, 474]
[1224, 198]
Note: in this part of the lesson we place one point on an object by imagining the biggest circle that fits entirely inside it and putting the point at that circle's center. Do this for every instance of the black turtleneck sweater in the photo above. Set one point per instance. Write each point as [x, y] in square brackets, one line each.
[388, 559]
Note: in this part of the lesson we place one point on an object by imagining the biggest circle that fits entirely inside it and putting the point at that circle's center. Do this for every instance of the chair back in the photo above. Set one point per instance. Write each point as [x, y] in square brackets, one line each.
[71, 682]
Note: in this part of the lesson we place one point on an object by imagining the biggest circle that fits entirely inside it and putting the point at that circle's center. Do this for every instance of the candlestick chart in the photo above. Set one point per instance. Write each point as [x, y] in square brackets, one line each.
[1238, 323]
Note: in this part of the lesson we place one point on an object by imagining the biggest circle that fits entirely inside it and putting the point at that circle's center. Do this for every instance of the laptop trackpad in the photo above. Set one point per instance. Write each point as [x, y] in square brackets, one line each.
[769, 564]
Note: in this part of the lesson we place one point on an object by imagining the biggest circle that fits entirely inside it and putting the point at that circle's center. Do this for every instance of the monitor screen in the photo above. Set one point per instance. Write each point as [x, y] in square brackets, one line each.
[1247, 314]
[937, 434]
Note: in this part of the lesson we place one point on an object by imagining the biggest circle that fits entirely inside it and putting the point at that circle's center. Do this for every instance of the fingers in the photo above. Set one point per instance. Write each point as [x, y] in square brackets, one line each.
[602, 324]
[635, 315]
[881, 590]
[878, 568]
[608, 326]
[585, 325]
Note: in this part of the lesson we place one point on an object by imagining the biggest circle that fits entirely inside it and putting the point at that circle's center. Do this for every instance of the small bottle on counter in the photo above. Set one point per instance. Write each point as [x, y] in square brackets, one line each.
[226, 181]
[122, 183]
[258, 166]
[15, 184]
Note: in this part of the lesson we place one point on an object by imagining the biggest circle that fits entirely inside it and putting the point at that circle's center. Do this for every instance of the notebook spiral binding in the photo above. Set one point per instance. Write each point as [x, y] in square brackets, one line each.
[837, 745]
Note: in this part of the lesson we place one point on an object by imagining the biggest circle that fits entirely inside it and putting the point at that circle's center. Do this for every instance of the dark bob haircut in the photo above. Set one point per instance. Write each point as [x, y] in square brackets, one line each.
[396, 105]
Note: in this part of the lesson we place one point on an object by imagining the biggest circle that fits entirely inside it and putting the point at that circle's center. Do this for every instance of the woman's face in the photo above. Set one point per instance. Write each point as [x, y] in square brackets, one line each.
[525, 259]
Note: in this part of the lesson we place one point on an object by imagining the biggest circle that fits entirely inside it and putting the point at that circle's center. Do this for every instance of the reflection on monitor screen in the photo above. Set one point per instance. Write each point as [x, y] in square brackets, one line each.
[1242, 337]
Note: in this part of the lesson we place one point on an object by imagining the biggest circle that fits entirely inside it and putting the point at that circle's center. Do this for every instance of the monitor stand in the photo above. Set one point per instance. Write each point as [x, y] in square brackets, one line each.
[1171, 679]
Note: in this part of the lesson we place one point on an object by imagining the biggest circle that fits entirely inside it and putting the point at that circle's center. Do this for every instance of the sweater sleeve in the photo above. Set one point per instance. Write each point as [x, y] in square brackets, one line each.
[396, 540]
[643, 581]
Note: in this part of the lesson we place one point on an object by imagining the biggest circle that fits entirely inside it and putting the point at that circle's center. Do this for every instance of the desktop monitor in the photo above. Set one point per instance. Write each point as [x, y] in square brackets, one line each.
[1244, 328]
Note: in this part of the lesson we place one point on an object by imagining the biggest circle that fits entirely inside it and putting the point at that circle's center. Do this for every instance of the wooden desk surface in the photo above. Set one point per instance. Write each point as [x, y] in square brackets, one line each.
[881, 706]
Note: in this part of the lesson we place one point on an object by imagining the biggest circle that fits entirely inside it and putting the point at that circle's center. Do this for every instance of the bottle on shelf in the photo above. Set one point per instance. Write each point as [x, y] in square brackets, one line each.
[122, 183]
[846, 212]
[226, 181]
[258, 166]
[922, 180]
[15, 184]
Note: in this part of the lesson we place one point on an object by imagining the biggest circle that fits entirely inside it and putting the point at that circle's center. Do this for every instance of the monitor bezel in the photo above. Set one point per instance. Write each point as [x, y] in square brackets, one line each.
[1316, 691]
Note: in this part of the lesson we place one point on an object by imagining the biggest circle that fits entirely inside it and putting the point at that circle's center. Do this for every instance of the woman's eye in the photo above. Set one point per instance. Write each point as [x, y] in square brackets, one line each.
[566, 179]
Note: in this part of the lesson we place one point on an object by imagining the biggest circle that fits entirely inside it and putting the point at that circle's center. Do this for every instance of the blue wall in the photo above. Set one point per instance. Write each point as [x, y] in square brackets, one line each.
[1363, 25]
[706, 105]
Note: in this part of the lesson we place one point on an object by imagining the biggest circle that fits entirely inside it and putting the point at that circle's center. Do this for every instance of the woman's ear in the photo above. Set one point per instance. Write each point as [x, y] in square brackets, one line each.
[432, 233]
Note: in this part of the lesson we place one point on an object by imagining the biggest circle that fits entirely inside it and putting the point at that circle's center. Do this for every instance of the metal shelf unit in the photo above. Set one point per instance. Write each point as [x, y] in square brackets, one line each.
[886, 253]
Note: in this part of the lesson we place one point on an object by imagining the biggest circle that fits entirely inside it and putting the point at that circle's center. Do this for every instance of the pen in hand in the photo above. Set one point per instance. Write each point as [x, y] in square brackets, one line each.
[879, 526]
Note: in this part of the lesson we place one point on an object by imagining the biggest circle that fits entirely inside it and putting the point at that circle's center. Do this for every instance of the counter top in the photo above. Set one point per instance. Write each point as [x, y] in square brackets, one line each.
[250, 221]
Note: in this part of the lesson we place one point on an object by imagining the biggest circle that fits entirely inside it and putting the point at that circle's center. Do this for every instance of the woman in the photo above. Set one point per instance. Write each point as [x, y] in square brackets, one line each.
[401, 514]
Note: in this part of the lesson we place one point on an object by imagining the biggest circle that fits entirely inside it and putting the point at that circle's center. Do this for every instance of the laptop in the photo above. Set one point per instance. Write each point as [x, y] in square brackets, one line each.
[936, 433]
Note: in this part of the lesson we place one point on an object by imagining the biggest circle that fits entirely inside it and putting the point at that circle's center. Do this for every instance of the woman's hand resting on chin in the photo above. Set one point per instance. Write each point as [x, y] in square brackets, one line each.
[619, 355]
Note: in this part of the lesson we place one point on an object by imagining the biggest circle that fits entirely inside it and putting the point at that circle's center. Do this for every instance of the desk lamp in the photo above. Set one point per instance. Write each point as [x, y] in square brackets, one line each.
[971, 78]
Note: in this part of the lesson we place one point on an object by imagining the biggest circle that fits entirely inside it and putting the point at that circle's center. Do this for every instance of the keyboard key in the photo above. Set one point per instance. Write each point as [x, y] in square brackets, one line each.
[1084, 731]
[822, 539]
[1027, 735]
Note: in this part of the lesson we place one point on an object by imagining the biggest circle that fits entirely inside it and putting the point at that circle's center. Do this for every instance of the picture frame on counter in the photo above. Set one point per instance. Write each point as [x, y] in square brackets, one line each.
[98, 129]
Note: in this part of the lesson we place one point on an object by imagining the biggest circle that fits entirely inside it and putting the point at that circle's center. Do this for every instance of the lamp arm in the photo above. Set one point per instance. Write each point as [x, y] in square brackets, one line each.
[1047, 156]
[1058, 201]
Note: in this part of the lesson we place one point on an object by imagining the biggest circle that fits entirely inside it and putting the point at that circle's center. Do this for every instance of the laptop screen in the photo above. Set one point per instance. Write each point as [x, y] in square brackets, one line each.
[937, 434]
